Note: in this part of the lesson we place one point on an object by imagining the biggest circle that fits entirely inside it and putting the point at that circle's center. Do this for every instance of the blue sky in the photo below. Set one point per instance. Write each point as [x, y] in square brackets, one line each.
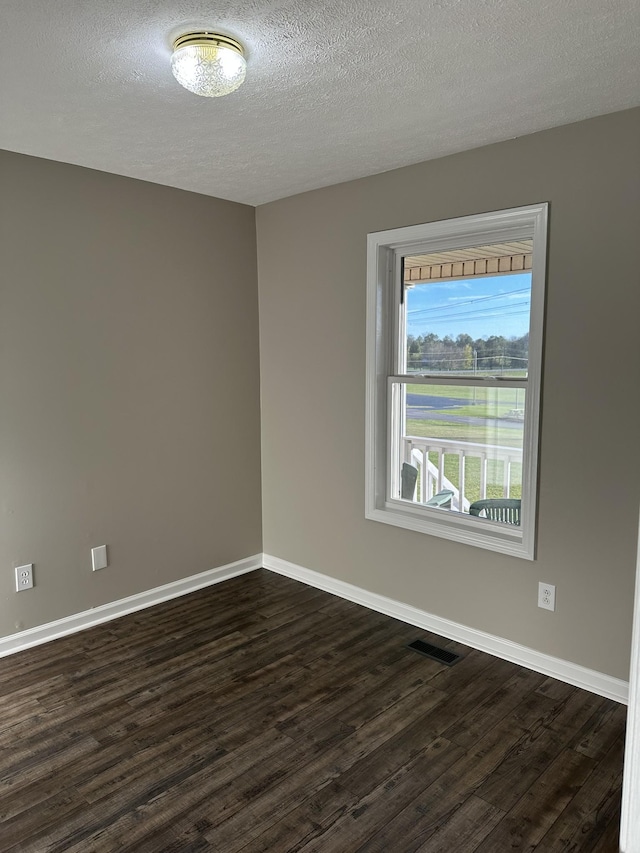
[480, 307]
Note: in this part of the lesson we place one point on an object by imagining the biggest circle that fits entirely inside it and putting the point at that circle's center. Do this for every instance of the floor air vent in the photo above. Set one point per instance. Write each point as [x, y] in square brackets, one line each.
[441, 655]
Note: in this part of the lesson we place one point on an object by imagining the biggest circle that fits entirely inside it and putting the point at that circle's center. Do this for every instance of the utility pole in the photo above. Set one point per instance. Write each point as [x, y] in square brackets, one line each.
[475, 372]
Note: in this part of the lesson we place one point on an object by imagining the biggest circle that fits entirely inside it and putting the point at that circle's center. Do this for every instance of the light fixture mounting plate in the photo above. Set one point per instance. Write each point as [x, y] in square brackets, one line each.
[205, 37]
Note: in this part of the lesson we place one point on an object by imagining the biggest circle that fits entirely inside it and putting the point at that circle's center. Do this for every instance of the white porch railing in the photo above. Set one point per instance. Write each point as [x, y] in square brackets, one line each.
[432, 478]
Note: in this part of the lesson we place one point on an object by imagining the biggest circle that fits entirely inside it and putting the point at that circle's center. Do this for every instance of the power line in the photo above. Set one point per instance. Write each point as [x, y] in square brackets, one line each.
[469, 320]
[473, 301]
[480, 312]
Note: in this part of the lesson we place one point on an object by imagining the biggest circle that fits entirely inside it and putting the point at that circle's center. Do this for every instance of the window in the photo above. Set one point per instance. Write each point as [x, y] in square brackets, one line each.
[454, 357]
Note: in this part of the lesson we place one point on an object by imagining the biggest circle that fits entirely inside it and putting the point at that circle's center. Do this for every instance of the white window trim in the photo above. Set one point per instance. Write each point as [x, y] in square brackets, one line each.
[383, 248]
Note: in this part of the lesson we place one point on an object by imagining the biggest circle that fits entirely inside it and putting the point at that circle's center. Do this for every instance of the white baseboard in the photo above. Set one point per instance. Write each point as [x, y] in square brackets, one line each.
[630, 823]
[105, 612]
[571, 673]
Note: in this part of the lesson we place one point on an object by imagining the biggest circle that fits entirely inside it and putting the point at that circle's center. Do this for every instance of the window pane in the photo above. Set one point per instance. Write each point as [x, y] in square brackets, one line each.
[476, 324]
[460, 443]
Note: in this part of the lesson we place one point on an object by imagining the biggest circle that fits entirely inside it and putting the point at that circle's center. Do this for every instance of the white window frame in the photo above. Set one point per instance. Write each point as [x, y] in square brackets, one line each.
[384, 249]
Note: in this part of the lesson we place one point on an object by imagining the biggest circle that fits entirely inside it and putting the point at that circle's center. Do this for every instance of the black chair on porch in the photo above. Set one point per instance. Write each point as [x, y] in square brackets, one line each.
[506, 510]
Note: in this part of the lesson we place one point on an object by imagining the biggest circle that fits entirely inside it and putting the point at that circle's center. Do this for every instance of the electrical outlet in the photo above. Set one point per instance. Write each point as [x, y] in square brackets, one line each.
[24, 577]
[547, 596]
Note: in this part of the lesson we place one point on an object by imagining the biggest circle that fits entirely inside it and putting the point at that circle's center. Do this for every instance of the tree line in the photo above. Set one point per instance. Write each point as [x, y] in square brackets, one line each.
[427, 353]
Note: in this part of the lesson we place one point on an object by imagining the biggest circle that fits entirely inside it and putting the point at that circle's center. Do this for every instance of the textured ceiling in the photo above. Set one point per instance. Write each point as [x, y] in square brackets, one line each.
[335, 90]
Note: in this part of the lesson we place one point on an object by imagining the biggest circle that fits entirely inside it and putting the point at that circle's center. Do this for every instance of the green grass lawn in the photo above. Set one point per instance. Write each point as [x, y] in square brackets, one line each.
[465, 432]
[481, 410]
[508, 397]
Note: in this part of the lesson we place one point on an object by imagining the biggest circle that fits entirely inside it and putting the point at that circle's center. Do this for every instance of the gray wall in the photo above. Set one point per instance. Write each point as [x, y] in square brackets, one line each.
[129, 386]
[130, 401]
[311, 261]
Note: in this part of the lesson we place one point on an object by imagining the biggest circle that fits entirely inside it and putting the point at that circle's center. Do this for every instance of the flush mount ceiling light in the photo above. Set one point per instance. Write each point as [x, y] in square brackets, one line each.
[208, 64]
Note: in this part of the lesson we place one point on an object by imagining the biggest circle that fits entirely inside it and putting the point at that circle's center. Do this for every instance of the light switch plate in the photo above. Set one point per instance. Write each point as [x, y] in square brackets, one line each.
[99, 557]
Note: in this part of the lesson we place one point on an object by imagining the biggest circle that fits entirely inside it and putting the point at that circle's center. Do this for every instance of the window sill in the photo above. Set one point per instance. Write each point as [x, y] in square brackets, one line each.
[479, 533]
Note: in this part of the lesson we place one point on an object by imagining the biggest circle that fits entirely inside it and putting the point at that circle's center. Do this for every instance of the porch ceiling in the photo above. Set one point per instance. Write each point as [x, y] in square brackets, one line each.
[466, 263]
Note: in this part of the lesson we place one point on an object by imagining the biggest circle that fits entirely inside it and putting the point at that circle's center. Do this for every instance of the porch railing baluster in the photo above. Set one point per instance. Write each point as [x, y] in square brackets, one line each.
[433, 479]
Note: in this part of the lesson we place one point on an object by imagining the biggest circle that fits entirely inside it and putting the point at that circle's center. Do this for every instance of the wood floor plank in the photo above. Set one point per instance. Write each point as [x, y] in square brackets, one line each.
[303, 824]
[391, 756]
[525, 761]
[474, 685]
[25, 763]
[609, 841]
[554, 689]
[200, 791]
[183, 813]
[466, 828]
[354, 689]
[45, 815]
[587, 816]
[434, 807]
[263, 715]
[383, 802]
[601, 731]
[363, 736]
[467, 729]
[305, 762]
[528, 821]
[341, 695]
[537, 749]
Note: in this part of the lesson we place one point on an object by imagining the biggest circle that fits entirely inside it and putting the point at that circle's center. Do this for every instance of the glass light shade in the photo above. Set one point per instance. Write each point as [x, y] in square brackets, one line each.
[208, 65]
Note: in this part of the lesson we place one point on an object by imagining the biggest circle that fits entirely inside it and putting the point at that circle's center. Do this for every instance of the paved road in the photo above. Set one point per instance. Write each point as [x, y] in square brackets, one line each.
[425, 407]
[435, 402]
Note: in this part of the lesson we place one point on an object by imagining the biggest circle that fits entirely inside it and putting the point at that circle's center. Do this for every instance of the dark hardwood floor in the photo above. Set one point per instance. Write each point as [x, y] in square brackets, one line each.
[263, 715]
